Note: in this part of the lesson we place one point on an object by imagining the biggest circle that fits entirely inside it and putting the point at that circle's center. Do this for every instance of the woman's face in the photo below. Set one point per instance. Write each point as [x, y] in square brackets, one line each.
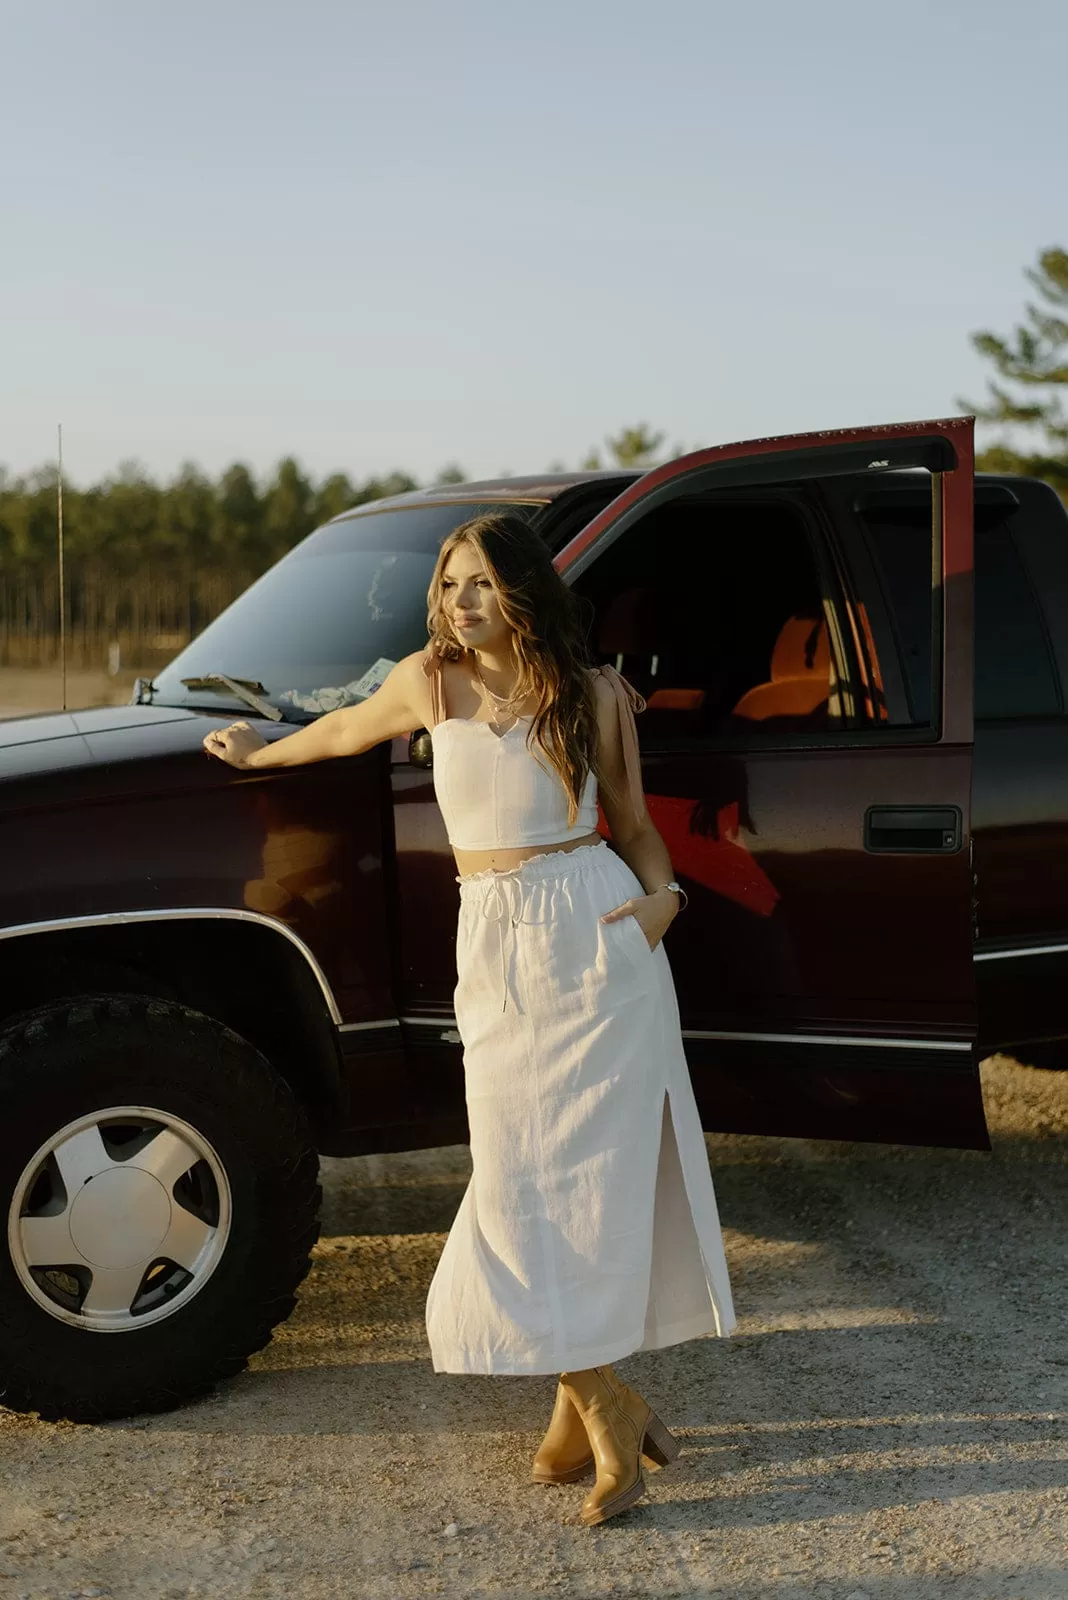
[470, 602]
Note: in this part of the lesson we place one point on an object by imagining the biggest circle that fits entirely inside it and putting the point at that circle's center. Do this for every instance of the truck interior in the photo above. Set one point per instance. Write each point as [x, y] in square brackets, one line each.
[715, 609]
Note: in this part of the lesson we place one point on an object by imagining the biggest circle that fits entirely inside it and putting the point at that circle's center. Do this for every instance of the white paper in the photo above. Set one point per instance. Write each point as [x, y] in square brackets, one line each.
[373, 678]
[331, 698]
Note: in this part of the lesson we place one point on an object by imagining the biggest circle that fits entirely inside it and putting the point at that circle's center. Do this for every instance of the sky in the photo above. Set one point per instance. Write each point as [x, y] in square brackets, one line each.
[400, 235]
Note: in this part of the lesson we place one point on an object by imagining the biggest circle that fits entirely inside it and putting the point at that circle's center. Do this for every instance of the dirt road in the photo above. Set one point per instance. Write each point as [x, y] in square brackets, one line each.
[889, 1422]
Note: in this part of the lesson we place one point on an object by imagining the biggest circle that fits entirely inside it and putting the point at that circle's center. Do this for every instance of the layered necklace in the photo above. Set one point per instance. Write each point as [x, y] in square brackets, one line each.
[500, 705]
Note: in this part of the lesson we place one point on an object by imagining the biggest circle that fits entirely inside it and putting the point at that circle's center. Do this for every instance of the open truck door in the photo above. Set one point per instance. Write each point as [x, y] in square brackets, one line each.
[812, 786]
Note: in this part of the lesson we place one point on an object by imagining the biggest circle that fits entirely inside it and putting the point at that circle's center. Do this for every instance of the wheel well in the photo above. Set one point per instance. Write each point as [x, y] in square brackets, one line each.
[242, 973]
[1021, 1003]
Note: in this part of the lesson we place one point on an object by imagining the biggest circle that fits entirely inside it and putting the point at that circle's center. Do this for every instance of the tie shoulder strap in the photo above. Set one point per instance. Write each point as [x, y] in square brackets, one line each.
[628, 701]
[432, 666]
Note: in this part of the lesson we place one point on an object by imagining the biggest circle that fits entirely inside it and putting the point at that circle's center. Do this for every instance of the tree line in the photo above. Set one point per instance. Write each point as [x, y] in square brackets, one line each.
[232, 521]
[235, 522]
[193, 520]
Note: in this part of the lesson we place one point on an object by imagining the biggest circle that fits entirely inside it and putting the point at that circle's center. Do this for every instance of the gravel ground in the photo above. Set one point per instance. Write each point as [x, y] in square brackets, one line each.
[888, 1423]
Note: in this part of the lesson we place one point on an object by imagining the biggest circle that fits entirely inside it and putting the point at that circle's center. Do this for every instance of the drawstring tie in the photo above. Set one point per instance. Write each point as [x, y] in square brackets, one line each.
[503, 905]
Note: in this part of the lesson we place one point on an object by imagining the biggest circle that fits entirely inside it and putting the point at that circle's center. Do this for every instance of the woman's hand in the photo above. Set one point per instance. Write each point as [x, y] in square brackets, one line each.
[234, 744]
[654, 913]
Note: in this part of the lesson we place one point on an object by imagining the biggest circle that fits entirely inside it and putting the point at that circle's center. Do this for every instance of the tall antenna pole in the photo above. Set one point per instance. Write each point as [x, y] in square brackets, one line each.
[62, 589]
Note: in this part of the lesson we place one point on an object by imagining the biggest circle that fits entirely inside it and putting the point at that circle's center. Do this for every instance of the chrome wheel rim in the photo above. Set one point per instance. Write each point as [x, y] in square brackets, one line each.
[119, 1219]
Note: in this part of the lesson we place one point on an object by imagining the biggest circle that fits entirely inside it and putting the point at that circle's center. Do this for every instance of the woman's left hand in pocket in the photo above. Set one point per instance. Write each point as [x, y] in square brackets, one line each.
[654, 914]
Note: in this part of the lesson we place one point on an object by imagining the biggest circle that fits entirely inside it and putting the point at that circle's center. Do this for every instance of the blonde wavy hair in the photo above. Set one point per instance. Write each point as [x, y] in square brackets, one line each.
[548, 638]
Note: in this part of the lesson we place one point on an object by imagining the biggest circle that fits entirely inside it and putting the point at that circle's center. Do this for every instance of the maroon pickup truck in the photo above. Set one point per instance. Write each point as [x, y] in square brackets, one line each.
[209, 976]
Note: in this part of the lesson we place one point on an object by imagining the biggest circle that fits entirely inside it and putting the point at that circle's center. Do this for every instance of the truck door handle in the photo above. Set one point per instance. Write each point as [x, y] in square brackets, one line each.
[915, 830]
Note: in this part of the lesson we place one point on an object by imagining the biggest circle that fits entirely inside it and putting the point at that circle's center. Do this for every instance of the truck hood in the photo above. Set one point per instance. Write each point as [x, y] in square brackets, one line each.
[71, 757]
[45, 726]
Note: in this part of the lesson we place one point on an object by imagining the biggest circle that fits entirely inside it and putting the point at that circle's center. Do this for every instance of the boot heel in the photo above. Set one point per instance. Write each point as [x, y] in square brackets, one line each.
[657, 1443]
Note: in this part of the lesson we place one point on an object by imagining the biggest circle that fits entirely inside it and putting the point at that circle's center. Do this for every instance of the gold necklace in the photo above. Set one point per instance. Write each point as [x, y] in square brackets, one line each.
[502, 703]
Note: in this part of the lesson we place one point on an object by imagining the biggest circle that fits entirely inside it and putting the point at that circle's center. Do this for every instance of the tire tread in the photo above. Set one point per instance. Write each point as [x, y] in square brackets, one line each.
[294, 1202]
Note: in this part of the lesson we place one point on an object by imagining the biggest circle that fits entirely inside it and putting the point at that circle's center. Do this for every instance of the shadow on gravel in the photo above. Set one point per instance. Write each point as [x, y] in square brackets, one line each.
[1026, 1582]
[368, 1209]
[843, 1485]
[750, 1196]
[774, 1398]
[754, 1178]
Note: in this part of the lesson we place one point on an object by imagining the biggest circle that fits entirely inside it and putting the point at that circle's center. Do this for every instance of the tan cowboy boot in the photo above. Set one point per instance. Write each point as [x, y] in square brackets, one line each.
[622, 1427]
[564, 1454]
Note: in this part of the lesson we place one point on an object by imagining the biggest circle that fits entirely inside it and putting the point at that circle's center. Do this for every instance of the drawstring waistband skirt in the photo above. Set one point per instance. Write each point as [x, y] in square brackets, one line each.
[589, 1228]
[499, 893]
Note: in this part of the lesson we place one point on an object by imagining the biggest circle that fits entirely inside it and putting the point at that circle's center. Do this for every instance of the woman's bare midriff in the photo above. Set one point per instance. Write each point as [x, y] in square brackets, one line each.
[470, 861]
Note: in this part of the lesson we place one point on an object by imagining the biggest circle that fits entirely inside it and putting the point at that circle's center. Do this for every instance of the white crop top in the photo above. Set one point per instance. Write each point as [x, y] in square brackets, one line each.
[496, 793]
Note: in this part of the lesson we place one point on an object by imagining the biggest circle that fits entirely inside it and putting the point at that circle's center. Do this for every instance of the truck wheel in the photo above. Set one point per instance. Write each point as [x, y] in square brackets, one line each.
[159, 1188]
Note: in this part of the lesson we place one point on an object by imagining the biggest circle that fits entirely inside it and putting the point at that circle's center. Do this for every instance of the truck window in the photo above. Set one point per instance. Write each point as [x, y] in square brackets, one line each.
[716, 610]
[899, 535]
[1014, 672]
[1014, 675]
[351, 595]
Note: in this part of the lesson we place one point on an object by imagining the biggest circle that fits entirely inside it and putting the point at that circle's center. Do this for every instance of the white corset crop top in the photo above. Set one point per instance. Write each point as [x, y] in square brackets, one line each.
[496, 793]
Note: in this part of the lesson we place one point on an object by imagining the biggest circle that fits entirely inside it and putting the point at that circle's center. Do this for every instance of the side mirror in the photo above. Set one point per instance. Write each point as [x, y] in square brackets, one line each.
[421, 749]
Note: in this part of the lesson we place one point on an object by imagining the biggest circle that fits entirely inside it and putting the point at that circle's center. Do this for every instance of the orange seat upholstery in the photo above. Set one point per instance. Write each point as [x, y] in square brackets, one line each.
[800, 674]
[635, 627]
[675, 700]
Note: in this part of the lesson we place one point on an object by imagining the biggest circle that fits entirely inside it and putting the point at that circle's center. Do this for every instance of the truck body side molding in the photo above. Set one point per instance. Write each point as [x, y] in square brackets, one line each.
[186, 914]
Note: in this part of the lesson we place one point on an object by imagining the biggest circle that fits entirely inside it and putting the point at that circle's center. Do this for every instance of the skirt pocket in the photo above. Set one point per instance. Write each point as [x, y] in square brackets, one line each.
[626, 942]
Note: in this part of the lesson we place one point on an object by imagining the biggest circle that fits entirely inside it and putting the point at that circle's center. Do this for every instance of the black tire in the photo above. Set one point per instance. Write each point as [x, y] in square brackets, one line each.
[65, 1061]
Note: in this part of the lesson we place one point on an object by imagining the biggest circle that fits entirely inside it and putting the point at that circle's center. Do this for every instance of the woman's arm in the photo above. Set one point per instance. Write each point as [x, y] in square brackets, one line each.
[400, 705]
[634, 836]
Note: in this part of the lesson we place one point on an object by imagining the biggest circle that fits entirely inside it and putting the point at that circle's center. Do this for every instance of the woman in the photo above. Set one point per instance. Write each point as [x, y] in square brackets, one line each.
[589, 1227]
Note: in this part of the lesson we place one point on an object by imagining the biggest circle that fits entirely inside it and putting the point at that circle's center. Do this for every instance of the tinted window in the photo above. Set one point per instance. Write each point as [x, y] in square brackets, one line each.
[350, 595]
[1014, 675]
[900, 538]
[1013, 671]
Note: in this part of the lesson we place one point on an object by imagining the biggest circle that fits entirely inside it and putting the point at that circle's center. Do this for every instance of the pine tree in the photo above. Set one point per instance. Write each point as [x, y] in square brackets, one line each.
[1035, 359]
[288, 514]
[631, 447]
[334, 495]
[238, 534]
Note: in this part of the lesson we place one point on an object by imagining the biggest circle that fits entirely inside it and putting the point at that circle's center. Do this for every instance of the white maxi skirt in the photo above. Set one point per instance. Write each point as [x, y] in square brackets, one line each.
[589, 1227]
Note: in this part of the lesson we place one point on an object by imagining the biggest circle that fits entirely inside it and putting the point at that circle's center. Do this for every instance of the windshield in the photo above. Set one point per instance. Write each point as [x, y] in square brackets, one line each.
[323, 626]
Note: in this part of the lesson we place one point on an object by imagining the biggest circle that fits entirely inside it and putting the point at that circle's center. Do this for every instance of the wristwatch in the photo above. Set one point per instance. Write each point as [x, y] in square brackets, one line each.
[676, 889]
